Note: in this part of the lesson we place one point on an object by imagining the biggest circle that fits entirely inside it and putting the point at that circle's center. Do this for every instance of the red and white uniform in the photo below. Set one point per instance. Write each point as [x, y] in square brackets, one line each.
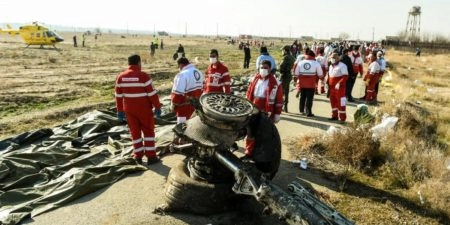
[186, 84]
[373, 74]
[308, 72]
[217, 79]
[267, 95]
[322, 60]
[357, 63]
[136, 96]
[338, 74]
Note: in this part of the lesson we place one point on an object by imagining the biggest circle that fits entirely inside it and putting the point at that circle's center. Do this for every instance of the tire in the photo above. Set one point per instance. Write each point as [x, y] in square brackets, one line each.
[226, 107]
[182, 193]
[267, 150]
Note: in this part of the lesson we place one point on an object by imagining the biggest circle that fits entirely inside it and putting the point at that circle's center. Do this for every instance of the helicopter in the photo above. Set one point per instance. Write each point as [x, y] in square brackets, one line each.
[34, 34]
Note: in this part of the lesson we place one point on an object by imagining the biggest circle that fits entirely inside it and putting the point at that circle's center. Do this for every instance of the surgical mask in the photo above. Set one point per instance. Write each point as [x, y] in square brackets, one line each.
[212, 60]
[333, 61]
[264, 72]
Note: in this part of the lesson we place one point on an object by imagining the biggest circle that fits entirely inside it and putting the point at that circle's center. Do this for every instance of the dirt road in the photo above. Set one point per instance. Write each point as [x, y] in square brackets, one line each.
[132, 199]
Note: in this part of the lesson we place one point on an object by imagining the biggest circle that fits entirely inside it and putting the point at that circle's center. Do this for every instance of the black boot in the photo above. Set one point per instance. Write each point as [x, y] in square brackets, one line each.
[285, 108]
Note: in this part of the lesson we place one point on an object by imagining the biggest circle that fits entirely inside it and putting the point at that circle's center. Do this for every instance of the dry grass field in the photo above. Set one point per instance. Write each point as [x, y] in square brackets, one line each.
[43, 88]
[409, 169]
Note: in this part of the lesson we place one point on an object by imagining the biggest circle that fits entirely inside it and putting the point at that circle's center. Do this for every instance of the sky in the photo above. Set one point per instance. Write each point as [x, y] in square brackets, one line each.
[361, 19]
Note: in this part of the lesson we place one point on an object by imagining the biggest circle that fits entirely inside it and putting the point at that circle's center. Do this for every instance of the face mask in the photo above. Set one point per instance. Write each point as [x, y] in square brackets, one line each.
[264, 72]
[333, 61]
[212, 60]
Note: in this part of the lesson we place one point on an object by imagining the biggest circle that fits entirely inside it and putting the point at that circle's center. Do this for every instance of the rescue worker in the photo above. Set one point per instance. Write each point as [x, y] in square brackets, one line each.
[179, 53]
[337, 78]
[266, 94]
[351, 75]
[265, 56]
[217, 77]
[75, 41]
[187, 84]
[286, 74]
[357, 61]
[371, 79]
[152, 49]
[322, 60]
[382, 63]
[135, 98]
[308, 71]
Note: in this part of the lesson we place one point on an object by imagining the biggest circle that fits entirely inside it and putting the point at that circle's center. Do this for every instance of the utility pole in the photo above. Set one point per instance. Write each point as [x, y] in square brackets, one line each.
[373, 34]
[290, 31]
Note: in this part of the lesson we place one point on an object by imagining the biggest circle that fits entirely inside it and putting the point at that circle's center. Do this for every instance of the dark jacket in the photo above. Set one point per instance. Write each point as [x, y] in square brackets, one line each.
[348, 62]
[247, 52]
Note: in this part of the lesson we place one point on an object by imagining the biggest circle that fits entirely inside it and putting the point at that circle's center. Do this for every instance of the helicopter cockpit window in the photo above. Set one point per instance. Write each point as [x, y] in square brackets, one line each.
[50, 34]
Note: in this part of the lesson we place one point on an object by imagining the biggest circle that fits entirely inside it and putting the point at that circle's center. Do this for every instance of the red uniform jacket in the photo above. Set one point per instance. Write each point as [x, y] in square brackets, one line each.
[357, 62]
[134, 91]
[187, 84]
[217, 79]
[337, 73]
[266, 94]
[308, 71]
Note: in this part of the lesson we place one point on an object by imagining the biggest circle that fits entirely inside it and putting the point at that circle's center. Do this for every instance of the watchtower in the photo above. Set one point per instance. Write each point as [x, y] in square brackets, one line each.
[413, 22]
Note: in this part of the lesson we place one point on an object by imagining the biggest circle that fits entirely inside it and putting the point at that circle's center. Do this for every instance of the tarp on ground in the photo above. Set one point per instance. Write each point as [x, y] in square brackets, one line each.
[47, 168]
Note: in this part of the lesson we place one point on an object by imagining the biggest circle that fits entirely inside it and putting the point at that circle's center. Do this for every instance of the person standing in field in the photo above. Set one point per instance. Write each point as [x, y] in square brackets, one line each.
[357, 61]
[382, 63]
[135, 98]
[308, 71]
[75, 41]
[351, 75]
[152, 49]
[247, 56]
[338, 75]
[286, 74]
[217, 77]
[187, 84]
[265, 56]
[266, 93]
[371, 79]
[322, 60]
[83, 38]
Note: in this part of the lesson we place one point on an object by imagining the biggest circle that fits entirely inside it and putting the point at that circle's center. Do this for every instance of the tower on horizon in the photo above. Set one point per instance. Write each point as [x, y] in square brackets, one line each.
[413, 22]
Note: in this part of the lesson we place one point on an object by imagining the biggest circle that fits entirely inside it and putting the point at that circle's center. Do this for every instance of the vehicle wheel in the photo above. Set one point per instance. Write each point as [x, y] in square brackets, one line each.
[226, 107]
[182, 193]
[267, 150]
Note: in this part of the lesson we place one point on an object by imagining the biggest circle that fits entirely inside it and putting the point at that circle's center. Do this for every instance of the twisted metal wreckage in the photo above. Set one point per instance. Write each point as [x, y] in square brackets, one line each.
[207, 141]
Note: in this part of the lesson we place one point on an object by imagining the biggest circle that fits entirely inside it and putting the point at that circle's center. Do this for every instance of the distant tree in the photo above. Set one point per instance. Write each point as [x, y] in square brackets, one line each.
[344, 36]
[97, 30]
[439, 38]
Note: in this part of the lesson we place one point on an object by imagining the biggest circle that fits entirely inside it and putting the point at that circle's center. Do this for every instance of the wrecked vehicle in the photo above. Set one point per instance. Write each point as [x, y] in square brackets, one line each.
[212, 178]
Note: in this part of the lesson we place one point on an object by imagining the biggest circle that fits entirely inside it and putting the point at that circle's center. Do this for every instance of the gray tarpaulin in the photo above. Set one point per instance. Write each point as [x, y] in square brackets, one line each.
[47, 168]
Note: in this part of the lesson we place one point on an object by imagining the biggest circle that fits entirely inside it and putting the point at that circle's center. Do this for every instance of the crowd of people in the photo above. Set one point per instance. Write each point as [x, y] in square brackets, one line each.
[330, 68]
